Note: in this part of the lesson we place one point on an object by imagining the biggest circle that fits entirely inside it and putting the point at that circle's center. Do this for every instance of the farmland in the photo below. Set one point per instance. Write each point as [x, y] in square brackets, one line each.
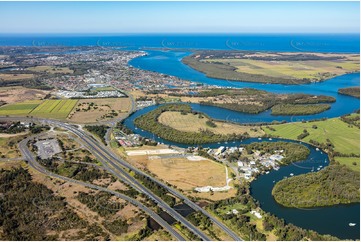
[58, 109]
[346, 139]
[281, 67]
[351, 162]
[22, 108]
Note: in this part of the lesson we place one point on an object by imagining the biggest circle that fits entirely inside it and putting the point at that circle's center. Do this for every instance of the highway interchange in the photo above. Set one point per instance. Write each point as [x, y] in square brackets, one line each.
[118, 167]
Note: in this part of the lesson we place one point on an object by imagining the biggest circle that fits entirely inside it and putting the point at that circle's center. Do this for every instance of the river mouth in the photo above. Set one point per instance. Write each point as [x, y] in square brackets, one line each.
[333, 220]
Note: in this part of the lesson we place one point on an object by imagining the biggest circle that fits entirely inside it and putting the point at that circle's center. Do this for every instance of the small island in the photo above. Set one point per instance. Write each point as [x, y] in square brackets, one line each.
[350, 91]
[250, 100]
[298, 109]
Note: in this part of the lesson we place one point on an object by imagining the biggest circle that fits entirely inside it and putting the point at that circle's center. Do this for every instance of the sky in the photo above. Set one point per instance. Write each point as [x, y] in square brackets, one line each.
[179, 17]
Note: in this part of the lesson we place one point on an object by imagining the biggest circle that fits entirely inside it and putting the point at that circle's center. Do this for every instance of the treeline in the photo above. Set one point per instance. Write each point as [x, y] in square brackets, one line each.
[123, 128]
[292, 152]
[98, 130]
[77, 171]
[36, 129]
[351, 119]
[298, 109]
[157, 189]
[13, 128]
[149, 122]
[350, 91]
[29, 210]
[334, 184]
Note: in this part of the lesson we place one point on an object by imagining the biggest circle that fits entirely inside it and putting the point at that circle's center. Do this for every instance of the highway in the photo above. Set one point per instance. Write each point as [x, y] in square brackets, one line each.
[125, 164]
[103, 152]
[27, 155]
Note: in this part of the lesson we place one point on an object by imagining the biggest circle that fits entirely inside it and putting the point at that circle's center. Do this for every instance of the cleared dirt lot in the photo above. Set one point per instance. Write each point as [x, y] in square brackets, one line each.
[20, 94]
[187, 174]
[85, 112]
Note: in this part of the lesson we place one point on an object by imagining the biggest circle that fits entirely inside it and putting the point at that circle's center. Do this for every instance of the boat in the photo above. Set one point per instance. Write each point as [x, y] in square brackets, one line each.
[273, 181]
[318, 169]
[270, 139]
[325, 161]
[259, 138]
[351, 224]
[291, 174]
[267, 172]
[317, 149]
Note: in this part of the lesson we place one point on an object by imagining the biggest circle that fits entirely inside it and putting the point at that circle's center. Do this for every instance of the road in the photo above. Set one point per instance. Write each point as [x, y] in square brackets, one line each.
[27, 155]
[118, 164]
[101, 152]
[125, 164]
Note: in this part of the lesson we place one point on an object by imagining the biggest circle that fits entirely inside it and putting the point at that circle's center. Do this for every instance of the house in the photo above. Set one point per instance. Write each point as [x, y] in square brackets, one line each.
[276, 157]
[220, 150]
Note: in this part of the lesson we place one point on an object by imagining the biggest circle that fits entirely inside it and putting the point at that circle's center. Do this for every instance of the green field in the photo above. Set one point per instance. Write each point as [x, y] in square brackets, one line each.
[22, 108]
[344, 137]
[59, 109]
[349, 161]
[291, 69]
[99, 89]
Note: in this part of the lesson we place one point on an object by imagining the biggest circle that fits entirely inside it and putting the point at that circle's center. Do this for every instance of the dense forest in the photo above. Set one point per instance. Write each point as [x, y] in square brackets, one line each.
[98, 130]
[334, 184]
[149, 122]
[24, 215]
[292, 151]
[298, 109]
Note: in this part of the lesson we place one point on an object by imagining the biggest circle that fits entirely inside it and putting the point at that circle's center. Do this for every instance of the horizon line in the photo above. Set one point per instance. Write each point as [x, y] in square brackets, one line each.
[156, 33]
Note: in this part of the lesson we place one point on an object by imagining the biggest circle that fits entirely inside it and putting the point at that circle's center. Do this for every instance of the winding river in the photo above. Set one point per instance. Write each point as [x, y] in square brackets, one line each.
[332, 220]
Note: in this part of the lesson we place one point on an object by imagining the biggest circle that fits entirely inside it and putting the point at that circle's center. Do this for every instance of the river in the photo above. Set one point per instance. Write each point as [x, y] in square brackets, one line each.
[332, 220]
[329, 220]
